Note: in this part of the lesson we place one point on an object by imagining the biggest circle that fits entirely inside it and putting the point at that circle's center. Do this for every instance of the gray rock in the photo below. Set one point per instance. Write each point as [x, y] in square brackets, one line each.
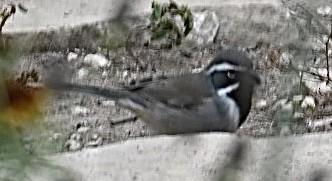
[72, 56]
[298, 98]
[104, 74]
[314, 82]
[73, 145]
[324, 10]
[205, 28]
[80, 110]
[308, 102]
[203, 157]
[83, 129]
[284, 105]
[323, 124]
[261, 104]
[96, 60]
[82, 72]
[96, 141]
[76, 137]
[107, 103]
[56, 136]
[285, 59]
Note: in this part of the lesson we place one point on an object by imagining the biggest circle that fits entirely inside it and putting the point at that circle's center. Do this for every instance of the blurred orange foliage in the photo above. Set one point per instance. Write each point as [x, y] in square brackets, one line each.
[22, 100]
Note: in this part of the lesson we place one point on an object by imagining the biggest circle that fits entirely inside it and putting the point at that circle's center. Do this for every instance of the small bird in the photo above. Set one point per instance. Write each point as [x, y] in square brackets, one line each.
[215, 99]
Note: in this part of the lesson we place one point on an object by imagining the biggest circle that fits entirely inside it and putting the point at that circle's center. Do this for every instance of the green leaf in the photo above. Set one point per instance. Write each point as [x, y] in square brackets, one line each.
[159, 34]
[156, 11]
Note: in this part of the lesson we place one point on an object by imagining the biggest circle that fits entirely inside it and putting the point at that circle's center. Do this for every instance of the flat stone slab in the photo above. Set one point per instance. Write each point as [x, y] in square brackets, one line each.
[45, 15]
[214, 156]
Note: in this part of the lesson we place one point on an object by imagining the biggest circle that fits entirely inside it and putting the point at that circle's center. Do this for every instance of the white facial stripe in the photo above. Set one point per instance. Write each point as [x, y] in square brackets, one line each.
[224, 67]
[233, 111]
[226, 90]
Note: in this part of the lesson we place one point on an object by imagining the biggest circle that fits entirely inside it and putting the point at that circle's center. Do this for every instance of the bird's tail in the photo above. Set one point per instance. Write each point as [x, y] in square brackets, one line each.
[56, 79]
[127, 99]
[111, 93]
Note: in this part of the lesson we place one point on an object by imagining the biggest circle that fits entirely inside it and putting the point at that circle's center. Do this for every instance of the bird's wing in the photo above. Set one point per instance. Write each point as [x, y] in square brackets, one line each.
[181, 91]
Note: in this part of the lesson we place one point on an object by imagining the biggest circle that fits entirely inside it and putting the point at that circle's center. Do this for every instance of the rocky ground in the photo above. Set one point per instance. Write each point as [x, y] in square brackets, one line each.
[278, 39]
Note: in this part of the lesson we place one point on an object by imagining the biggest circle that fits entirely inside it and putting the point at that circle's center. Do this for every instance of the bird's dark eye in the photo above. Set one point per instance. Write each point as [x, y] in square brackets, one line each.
[231, 74]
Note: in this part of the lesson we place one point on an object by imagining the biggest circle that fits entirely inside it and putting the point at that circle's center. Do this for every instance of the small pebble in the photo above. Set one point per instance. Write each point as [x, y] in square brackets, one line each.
[125, 74]
[94, 136]
[298, 98]
[80, 110]
[308, 102]
[96, 60]
[298, 115]
[323, 88]
[56, 136]
[72, 56]
[325, 11]
[76, 136]
[104, 74]
[73, 145]
[83, 129]
[97, 142]
[196, 70]
[262, 103]
[82, 72]
[108, 103]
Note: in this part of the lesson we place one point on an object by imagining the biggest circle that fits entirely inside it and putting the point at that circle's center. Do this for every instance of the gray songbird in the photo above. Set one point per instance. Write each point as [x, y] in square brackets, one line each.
[215, 99]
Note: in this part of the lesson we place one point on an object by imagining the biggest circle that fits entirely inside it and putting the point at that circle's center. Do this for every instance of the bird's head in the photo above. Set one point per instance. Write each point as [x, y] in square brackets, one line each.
[232, 75]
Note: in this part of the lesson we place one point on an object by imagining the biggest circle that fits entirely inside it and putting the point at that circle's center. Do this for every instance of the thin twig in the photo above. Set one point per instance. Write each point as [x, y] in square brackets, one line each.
[327, 53]
[124, 120]
[301, 80]
[302, 71]
[5, 15]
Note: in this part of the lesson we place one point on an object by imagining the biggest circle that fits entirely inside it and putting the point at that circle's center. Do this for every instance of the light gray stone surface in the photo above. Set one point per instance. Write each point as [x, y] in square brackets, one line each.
[205, 29]
[46, 15]
[202, 157]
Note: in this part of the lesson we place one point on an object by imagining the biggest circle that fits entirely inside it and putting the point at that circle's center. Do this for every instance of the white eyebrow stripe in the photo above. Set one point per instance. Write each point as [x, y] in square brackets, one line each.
[226, 90]
[224, 67]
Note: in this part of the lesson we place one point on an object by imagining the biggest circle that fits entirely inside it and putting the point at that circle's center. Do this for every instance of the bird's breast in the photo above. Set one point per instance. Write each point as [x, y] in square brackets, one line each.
[229, 112]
